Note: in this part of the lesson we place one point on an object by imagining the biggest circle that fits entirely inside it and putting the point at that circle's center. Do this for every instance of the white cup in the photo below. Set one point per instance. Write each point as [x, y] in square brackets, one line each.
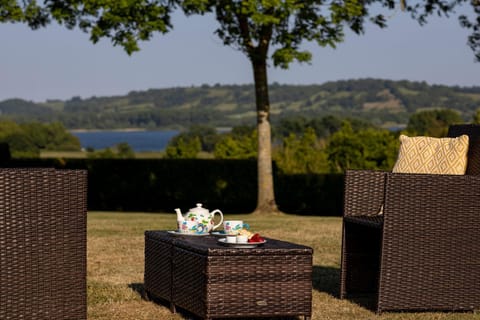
[231, 239]
[242, 239]
[232, 226]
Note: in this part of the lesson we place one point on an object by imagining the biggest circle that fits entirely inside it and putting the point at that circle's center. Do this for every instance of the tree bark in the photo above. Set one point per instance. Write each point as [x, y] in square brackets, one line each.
[266, 196]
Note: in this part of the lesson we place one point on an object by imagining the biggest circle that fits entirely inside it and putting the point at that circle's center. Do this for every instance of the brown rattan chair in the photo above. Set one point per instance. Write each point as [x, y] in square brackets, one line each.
[42, 244]
[423, 252]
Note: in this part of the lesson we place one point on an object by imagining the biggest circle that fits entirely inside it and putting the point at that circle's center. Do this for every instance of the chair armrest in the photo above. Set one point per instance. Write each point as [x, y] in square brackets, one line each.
[364, 192]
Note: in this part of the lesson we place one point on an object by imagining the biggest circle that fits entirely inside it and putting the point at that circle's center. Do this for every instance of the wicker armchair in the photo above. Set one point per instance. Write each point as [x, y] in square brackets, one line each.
[423, 252]
[42, 244]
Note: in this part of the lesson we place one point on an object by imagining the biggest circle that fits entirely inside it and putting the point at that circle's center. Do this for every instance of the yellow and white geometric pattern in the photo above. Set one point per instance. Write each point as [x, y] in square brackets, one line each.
[432, 155]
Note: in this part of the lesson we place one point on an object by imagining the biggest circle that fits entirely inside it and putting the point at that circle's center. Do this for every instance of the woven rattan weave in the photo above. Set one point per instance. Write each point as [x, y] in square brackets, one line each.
[42, 244]
[423, 252]
[214, 281]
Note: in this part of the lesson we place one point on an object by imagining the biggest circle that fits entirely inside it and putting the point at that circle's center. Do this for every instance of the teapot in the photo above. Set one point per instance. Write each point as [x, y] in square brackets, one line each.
[197, 220]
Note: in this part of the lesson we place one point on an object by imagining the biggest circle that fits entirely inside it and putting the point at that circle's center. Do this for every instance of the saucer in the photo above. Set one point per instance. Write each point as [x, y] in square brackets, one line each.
[241, 245]
[219, 233]
[175, 232]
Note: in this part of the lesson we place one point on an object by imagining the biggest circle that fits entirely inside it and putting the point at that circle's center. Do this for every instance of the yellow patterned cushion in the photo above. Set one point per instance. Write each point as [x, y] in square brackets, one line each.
[432, 155]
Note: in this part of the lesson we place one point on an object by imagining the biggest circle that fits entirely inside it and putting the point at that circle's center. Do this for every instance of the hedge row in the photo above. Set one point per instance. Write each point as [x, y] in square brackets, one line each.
[160, 185]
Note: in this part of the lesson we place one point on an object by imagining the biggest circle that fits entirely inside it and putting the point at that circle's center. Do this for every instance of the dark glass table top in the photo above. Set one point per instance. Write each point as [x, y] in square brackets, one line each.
[209, 245]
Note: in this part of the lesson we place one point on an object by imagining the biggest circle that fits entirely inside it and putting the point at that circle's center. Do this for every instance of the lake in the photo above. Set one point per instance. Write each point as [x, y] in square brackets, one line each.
[138, 140]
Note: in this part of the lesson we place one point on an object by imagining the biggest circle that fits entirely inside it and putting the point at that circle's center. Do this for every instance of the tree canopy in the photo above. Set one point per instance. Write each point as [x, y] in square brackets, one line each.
[361, 149]
[26, 140]
[433, 123]
[128, 22]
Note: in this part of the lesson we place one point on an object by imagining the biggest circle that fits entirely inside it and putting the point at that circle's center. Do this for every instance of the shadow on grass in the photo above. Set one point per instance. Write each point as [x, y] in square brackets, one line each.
[139, 288]
[327, 279]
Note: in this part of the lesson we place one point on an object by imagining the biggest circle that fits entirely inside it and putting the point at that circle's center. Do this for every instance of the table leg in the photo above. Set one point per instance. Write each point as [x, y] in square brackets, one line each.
[172, 308]
[147, 296]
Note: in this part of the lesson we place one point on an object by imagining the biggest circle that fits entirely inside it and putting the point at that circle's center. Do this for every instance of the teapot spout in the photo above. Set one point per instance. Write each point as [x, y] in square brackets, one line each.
[179, 215]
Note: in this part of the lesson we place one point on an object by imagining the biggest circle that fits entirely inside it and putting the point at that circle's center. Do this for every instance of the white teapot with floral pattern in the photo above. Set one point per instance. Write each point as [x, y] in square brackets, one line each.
[197, 220]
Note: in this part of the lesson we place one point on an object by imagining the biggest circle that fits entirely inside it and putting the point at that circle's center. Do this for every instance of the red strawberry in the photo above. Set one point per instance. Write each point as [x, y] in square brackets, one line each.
[256, 238]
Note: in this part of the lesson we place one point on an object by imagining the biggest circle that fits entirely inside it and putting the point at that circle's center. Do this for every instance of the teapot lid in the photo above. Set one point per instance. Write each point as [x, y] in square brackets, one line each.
[199, 209]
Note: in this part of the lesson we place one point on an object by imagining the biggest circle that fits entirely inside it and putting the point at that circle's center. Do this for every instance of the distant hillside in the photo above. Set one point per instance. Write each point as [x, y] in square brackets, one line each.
[383, 102]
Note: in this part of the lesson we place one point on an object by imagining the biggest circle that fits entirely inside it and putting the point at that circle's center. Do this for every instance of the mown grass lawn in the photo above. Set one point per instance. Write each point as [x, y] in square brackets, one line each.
[116, 263]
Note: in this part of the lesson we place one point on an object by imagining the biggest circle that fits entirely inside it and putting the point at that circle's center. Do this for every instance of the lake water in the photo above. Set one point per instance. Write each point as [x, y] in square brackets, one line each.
[138, 140]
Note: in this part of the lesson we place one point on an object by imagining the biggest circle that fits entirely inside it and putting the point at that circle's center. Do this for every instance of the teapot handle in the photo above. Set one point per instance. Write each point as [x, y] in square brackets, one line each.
[221, 218]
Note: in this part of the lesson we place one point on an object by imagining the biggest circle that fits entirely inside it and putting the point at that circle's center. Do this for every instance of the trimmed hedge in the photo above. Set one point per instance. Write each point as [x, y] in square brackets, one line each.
[160, 185]
[315, 194]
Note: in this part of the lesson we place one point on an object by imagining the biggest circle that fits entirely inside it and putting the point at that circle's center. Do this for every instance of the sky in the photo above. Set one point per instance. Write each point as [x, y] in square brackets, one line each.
[57, 63]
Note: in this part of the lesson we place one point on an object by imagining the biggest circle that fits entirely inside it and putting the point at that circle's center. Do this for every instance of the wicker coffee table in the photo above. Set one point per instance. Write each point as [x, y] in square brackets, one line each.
[212, 280]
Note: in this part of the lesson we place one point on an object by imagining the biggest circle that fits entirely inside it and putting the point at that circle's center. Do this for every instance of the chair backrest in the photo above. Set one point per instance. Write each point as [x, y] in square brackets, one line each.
[473, 132]
[43, 254]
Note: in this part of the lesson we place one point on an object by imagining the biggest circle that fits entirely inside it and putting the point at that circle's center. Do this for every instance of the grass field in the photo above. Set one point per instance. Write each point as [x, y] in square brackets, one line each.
[116, 262]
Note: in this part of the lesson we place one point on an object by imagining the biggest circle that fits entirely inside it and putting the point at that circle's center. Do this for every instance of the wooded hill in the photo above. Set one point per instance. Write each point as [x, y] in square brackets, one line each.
[383, 102]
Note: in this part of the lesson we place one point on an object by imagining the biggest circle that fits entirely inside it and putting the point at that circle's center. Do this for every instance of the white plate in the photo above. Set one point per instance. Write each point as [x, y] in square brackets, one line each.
[241, 245]
[175, 232]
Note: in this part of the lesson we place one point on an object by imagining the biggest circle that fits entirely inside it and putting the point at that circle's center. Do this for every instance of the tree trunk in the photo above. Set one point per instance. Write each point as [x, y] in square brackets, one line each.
[266, 196]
